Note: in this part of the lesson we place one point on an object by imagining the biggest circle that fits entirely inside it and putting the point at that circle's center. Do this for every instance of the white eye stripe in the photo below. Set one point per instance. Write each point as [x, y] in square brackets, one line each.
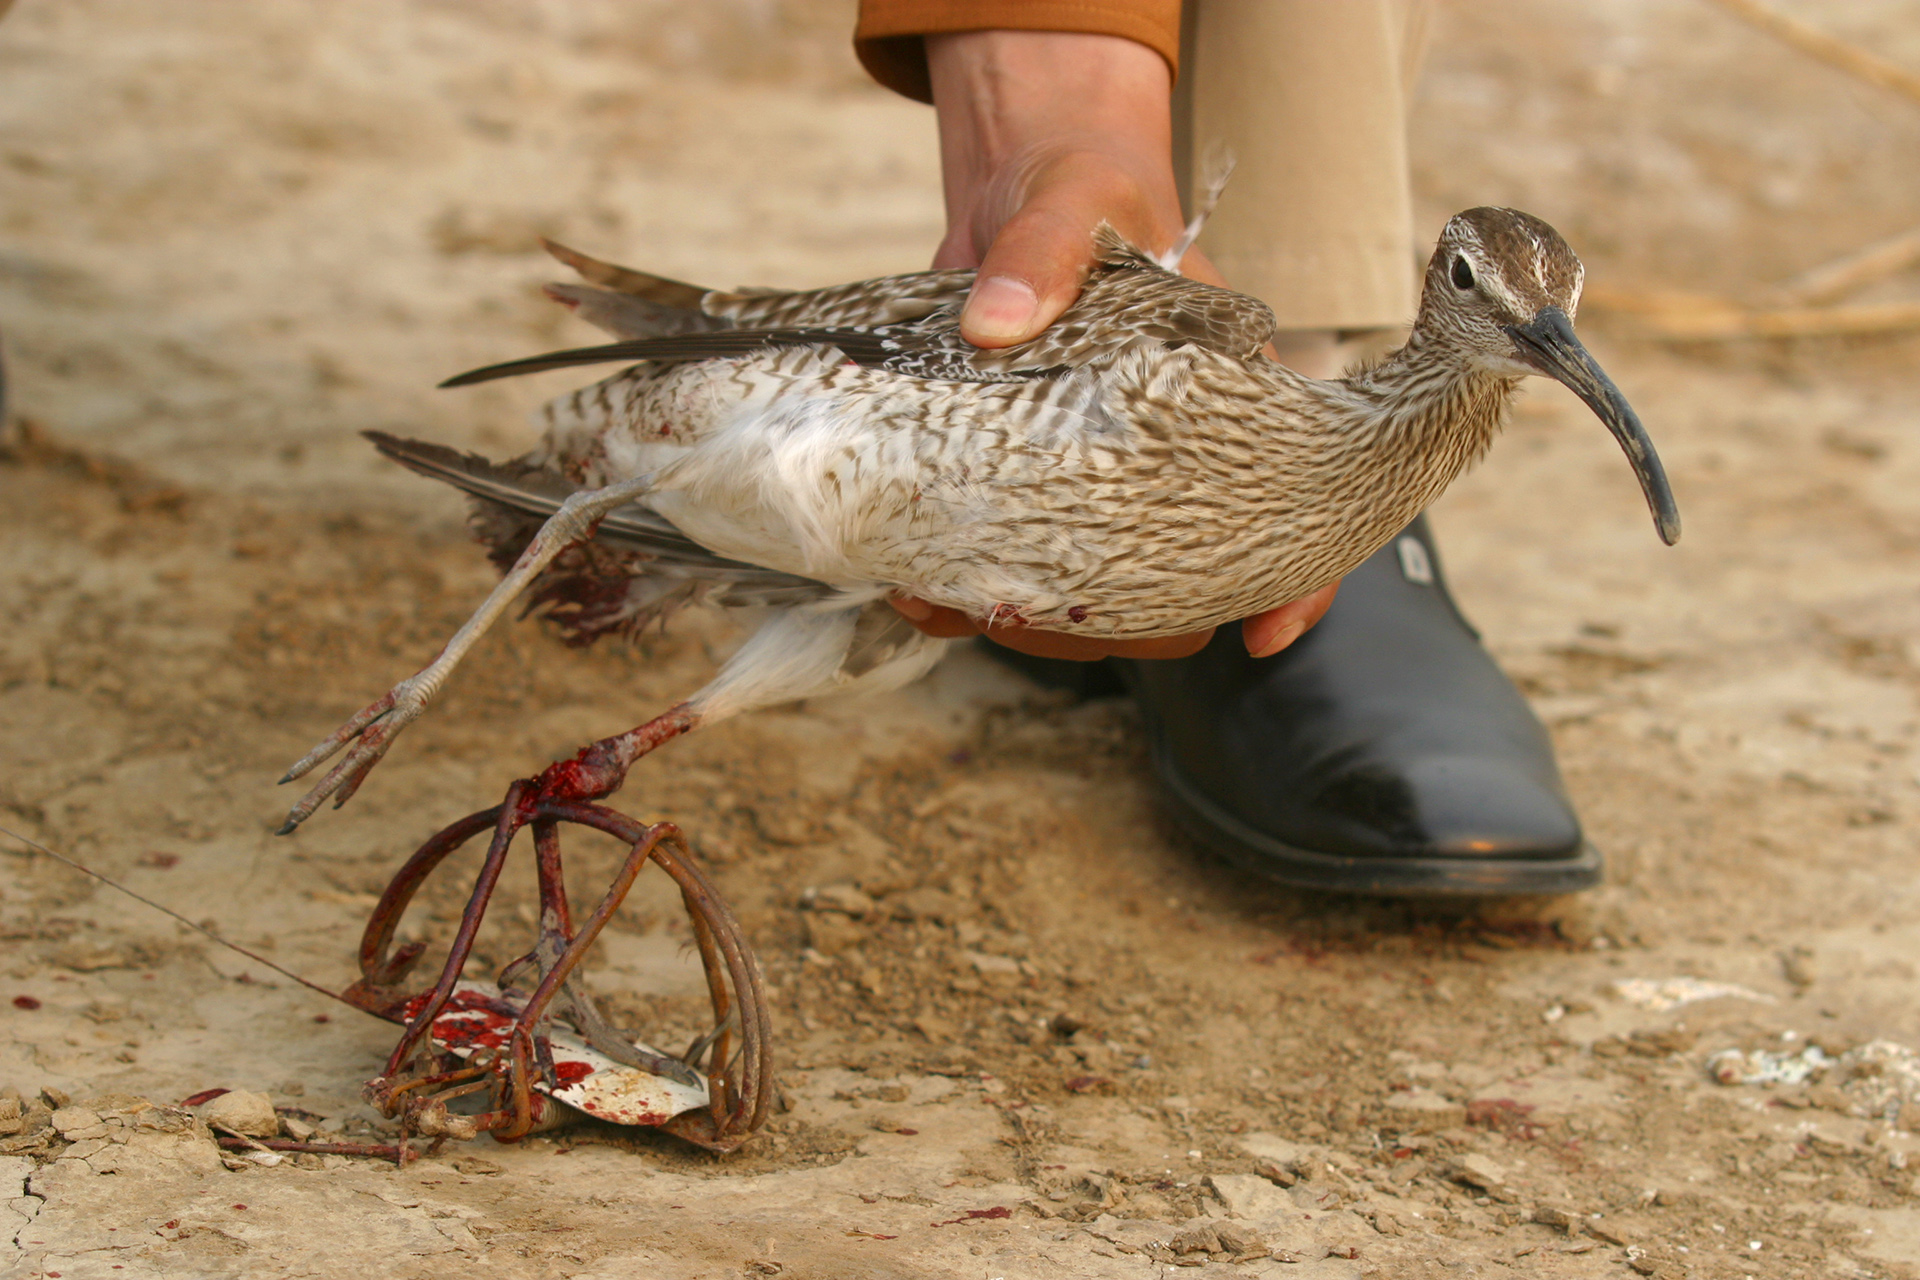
[1490, 282]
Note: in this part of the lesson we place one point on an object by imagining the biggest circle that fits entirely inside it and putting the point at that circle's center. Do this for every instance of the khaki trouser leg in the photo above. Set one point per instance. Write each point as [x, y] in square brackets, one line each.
[1310, 98]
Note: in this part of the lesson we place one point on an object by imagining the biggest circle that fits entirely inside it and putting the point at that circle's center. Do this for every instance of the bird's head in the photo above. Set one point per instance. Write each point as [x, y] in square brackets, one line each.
[1502, 290]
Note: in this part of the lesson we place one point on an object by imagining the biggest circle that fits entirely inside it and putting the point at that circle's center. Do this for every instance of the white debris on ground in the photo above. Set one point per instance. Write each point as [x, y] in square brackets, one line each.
[1661, 994]
[1879, 1078]
[1765, 1066]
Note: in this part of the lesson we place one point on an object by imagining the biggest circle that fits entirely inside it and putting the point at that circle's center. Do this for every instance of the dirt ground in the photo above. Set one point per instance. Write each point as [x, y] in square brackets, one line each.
[1045, 1036]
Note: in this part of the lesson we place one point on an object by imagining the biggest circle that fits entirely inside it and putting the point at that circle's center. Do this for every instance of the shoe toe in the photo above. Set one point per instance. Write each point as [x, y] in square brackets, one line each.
[1476, 807]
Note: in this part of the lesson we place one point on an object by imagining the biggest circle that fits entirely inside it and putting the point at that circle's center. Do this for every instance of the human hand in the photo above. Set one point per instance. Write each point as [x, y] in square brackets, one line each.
[1044, 135]
[1265, 634]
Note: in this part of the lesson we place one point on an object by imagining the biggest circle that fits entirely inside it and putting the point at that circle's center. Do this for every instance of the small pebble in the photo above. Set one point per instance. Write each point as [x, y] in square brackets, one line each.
[243, 1112]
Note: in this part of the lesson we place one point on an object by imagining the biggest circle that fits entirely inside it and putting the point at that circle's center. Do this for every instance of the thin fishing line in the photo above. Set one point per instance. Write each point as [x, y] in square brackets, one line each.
[169, 911]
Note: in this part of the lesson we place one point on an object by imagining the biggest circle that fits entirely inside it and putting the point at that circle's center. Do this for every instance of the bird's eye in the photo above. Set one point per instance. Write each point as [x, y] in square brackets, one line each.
[1462, 274]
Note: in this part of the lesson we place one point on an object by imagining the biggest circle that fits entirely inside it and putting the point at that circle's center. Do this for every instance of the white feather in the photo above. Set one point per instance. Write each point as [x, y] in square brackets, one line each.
[805, 653]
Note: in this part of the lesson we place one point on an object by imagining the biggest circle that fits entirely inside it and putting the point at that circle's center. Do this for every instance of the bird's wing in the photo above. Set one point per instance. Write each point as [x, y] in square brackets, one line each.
[638, 304]
[1130, 299]
[539, 493]
[865, 304]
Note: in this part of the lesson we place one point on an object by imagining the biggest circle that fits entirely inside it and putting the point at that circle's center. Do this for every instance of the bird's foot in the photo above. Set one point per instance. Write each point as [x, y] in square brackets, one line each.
[371, 731]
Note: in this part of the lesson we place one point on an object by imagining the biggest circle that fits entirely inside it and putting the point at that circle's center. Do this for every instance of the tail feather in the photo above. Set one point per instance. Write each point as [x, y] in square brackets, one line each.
[627, 315]
[640, 284]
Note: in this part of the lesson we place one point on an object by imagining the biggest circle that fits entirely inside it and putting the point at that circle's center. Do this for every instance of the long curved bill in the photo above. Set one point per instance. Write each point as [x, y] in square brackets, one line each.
[1547, 342]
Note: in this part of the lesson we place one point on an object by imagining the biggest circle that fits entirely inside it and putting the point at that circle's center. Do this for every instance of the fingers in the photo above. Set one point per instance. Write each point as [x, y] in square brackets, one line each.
[1057, 644]
[1268, 633]
[934, 620]
[951, 624]
[1265, 634]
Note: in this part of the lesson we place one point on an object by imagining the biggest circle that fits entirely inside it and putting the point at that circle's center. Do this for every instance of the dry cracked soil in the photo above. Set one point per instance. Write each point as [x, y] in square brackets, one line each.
[1023, 1029]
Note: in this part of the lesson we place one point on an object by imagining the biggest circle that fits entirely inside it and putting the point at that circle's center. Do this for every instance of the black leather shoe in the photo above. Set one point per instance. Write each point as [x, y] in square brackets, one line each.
[1384, 752]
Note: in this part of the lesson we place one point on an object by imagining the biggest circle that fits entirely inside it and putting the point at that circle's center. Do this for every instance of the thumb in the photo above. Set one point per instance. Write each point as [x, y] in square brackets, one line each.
[1031, 274]
[1040, 257]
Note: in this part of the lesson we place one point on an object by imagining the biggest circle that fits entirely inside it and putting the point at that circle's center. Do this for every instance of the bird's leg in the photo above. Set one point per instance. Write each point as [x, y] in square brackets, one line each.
[374, 728]
[598, 769]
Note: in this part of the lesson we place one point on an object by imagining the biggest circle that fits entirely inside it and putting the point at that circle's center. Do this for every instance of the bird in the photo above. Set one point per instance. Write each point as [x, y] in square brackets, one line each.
[1139, 469]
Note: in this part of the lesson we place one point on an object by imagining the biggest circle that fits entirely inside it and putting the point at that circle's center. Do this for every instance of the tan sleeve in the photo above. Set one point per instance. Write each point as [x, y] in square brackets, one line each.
[887, 40]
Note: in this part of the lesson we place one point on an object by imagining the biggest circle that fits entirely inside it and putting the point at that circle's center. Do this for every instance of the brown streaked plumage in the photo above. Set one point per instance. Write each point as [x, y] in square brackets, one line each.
[1140, 469]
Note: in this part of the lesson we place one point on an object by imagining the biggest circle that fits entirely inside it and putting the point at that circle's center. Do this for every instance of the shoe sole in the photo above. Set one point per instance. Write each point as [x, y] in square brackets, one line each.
[1255, 851]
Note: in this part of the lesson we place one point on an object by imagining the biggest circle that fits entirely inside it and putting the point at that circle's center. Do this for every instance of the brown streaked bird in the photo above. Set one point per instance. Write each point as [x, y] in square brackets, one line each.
[1140, 469]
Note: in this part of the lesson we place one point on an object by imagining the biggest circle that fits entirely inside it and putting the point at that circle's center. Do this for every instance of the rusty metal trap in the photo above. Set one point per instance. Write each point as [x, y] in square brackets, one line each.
[533, 1048]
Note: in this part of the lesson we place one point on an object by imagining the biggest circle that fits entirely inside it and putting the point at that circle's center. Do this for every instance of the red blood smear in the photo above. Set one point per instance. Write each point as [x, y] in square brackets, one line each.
[465, 1022]
[204, 1096]
[239, 1206]
[998, 1211]
[571, 1072]
[25, 1002]
[160, 861]
[168, 1226]
[321, 1017]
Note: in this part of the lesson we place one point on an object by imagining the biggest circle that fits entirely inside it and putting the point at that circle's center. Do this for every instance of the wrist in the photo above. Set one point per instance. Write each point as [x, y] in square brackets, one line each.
[1012, 103]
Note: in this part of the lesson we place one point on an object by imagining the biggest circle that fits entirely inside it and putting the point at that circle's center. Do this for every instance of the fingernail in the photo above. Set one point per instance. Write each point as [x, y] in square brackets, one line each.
[1000, 309]
[1279, 640]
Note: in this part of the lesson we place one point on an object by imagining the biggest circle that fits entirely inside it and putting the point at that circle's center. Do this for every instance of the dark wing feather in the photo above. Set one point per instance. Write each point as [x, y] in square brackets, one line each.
[861, 346]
